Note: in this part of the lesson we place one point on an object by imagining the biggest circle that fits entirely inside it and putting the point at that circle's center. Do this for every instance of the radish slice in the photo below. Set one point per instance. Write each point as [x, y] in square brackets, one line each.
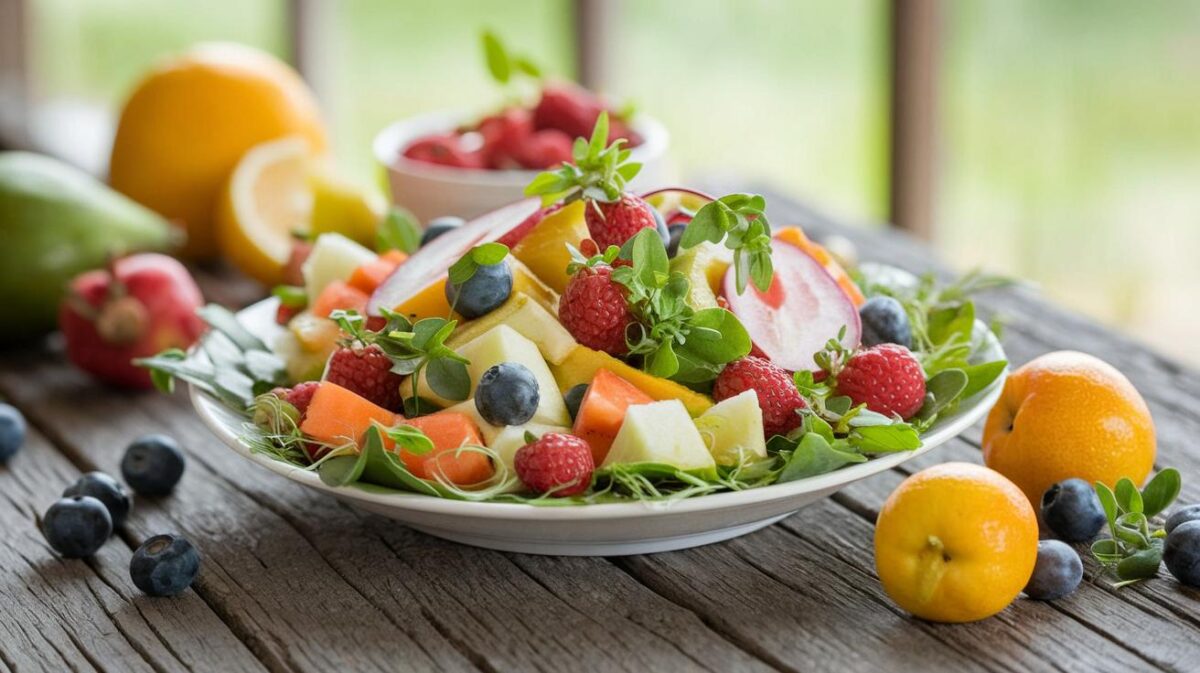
[803, 309]
[434, 259]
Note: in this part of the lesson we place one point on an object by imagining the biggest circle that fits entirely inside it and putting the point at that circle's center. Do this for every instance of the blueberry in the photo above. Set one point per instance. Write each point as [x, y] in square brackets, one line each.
[105, 489]
[77, 526]
[507, 394]
[152, 465]
[1071, 509]
[675, 232]
[574, 398]
[885, 322]
[164, 565]
[12, 432]
[1182, 515]
[438, 226]
[483, 292]
[1057, 572]
[1181, 553]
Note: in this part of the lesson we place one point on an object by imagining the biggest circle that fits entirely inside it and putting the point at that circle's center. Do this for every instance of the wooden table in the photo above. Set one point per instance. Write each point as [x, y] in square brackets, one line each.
[293, 580]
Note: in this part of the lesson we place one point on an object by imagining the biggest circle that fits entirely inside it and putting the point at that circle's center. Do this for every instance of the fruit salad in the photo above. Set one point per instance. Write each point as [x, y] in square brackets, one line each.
[593, 345]
[521, 135]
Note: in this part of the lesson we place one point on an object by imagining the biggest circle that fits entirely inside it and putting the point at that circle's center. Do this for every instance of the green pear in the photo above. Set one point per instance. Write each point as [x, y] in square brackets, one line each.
[55, 222]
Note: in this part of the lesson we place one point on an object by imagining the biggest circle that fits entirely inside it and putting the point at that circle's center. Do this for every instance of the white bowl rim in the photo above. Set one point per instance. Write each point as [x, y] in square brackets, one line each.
[389, 142]
[209, 410]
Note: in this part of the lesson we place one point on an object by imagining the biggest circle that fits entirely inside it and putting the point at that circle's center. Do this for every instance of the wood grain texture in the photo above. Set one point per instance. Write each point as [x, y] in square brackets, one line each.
[59, 613]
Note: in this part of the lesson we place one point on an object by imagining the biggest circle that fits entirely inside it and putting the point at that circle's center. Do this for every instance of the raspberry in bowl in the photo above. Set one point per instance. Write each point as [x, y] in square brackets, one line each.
[456, 163]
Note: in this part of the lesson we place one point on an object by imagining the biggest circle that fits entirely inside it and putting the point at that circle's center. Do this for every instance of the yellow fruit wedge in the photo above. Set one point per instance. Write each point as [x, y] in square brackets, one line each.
[266, 198]
[431, 302]
[530, 319]
[342, 207]
[544, 249]
[583, 362]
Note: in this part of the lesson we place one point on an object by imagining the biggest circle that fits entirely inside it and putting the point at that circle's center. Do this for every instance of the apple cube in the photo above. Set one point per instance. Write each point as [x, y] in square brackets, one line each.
[733, 429]
[664, 433]
[504, 344]
[333, 257]
[527, 317]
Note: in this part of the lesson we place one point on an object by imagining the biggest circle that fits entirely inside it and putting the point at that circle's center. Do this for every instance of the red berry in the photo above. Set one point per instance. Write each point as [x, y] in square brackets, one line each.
[887, 378]
[594, 310]
[285, 313]
[777, 394]
[567, 108]
[503, 136]
[547, 148]
[366, 371]
[558, 464]
[446, 150]
[617, 222]
[301, 396]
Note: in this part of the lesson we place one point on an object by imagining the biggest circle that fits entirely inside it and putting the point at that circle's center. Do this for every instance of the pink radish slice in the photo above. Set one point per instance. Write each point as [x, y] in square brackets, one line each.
[434, 260]
[803, 309]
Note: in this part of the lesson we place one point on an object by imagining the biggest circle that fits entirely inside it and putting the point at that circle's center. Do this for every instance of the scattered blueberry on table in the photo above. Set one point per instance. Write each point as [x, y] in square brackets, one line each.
[105, 489]
[1057, 573]
[1181, 516]
[507, 394]
[164, 565]
[12, 432]
[77, 526]
[152, 465]
[1181, 553]
[1072, 511]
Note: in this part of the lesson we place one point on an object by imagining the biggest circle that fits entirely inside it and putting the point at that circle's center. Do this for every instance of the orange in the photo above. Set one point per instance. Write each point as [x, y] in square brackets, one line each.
[955, 543]
[1068, 414]
[190, 120]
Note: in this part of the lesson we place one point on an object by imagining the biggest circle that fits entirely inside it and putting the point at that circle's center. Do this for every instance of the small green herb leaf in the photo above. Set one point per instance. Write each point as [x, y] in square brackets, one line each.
[291, 296]
[398, 231]
[497, 58]
[1162, 490]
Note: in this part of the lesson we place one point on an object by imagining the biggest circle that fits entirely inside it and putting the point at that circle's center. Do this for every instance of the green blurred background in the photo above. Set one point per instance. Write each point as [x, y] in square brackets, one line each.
[1070, 146]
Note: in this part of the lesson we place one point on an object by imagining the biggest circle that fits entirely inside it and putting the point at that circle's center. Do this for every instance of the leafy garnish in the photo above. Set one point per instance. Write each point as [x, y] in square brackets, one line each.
[502, 64]
[414, 348]
[675, 340]
[599, 173]
[398, 231]
[291, 296]
[481, 255]
[231, 363]
[1134, 549]
[740, 222]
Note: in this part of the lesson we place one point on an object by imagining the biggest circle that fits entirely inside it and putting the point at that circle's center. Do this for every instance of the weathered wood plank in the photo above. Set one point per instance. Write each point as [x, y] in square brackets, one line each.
[467, 607]
[60, 613]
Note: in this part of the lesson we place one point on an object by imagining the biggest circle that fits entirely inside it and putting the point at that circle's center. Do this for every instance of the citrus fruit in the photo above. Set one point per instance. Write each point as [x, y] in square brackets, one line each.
[339, 206]
[1068, 414]
[955, 543]
[190, 120]
[266, 198]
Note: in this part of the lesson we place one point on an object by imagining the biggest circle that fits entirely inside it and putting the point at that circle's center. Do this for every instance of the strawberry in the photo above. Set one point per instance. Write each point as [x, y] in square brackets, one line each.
[544, 149]
[613, 223]
[504, 135]
[887, 378]
[594, 310]
[558, 464]
[367, 371]
[567, 108]
[139, 306]
[778, 396]
[444, 149]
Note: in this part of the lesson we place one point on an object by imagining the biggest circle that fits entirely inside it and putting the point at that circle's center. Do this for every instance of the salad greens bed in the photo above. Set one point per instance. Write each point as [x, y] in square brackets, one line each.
[238, 369]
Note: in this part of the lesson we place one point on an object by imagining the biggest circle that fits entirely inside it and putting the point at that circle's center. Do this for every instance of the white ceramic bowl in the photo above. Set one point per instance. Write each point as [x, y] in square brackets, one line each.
[591, 530]
[430, 191]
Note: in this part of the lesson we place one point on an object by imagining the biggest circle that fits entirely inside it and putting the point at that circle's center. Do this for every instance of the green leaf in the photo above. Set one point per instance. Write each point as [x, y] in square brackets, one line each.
[224, 321]
[384, 468]
[448, 378]
[733, 344]
[489, 253]
[462, 270]
[410, 439]
[886, 438]
[946, 386]
[981, 376]
[1162, 490]
[649, 256]
[662, 362]
[425, 330]
[1141, 565]
[342, 470]
[291, 296]
[599, 135]
[813, 456]
[1108, 501]
[1106, 551]
[526, 66]
[497, 59]
[1127, 494]
[400, 230]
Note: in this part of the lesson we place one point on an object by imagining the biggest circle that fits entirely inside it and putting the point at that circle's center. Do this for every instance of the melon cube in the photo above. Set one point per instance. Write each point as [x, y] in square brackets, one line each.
[663, 433]
[733, 429]
[333, 257]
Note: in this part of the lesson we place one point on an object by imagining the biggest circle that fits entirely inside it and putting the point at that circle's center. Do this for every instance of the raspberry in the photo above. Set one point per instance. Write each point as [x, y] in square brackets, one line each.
[445, 150]
[301, 396]
[366, 371]
[558, 464]
[777, 393]
[617, 222]
[887, 378]
[594, 311]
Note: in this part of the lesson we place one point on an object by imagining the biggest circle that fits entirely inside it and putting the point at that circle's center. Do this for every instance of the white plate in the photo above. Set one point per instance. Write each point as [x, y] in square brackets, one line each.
[593, 530]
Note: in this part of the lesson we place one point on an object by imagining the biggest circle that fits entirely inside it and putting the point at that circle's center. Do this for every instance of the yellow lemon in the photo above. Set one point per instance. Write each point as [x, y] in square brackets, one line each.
[339, 206]
[190, 120]
[955, 543]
